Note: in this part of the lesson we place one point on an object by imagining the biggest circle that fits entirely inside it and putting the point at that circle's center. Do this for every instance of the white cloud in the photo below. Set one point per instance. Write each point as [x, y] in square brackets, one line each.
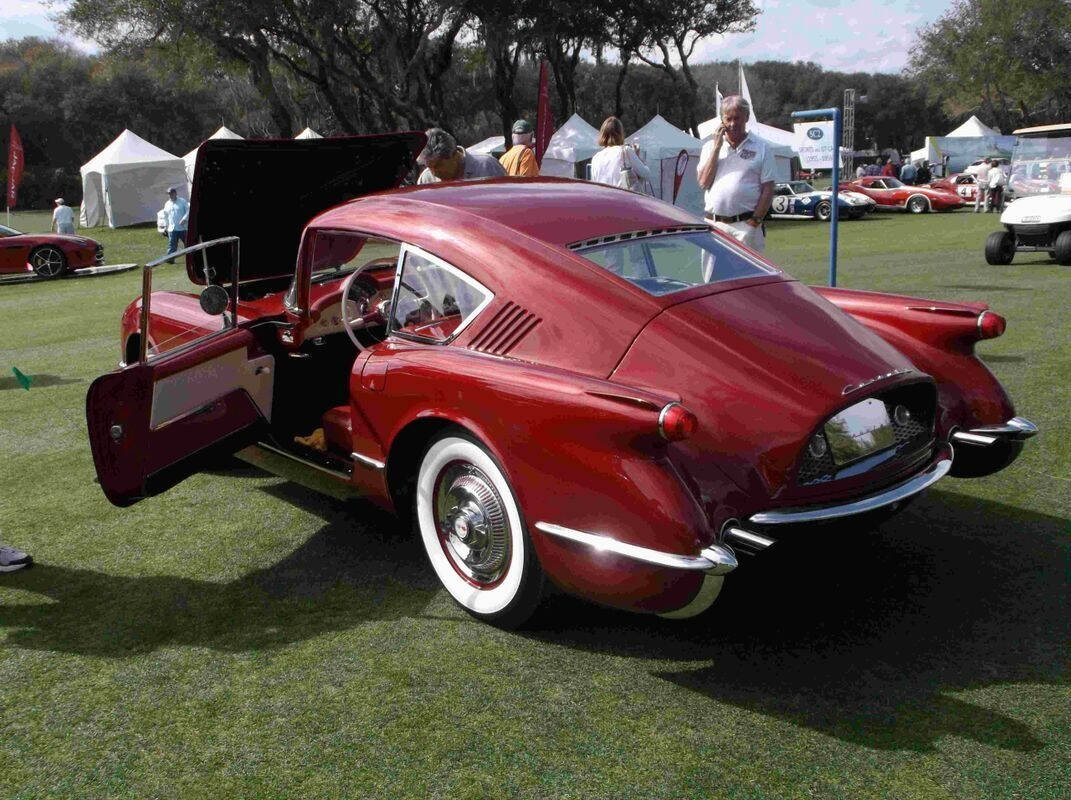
[22, 18]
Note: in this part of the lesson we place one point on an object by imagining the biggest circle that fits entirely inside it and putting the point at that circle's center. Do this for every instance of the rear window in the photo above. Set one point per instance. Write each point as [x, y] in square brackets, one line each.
[664, 263]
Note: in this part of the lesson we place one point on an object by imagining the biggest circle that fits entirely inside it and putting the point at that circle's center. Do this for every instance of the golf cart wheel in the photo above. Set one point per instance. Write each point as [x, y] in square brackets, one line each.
[918, 205]
[999, 248]
[823, 211]
[1062, 251]
[48, 262]
[473, 533]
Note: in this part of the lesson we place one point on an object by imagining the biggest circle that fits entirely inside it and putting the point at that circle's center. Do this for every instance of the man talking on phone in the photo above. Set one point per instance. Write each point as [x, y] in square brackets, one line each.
[736, 171]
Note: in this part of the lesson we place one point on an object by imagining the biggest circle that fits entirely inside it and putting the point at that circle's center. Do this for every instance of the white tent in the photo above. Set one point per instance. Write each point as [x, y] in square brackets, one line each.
[968, 142]
[191, 157]
[660, 144]
[308, 133]
[974, 127]
[127, 182]
[570, 146]
[490, 146]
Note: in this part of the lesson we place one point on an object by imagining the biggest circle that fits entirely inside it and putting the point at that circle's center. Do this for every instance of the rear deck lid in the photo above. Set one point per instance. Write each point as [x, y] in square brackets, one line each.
[266, 190]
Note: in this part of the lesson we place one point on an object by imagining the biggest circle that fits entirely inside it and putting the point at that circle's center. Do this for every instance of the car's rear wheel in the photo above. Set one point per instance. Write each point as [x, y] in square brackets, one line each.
[823, 211]
[473, 533]
[1000, 248]
[1062, 250]
[48, 261]
[918, 205]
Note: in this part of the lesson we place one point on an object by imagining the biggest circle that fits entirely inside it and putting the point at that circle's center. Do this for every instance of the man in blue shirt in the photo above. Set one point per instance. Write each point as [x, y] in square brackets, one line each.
[177, 212]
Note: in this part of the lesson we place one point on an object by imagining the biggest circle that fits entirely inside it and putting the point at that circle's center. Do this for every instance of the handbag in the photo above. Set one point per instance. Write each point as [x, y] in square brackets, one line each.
[628, 179]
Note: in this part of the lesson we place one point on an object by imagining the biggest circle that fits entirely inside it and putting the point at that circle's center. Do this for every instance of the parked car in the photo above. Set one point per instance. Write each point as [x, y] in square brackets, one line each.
[800, 199]
[559, 380]
[47, 254]
[1040, 218]
[962, 183]
[891, 194]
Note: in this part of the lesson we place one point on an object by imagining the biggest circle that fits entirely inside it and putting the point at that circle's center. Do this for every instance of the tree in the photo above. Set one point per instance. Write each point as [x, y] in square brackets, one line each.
[1010, 61]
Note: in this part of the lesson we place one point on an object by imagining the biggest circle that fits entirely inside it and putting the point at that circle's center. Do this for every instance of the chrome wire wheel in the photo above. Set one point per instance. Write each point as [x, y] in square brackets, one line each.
[473, 533]
[48, 262]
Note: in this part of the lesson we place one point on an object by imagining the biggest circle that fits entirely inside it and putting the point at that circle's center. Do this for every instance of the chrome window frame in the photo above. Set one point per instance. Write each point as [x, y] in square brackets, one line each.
[488, 295]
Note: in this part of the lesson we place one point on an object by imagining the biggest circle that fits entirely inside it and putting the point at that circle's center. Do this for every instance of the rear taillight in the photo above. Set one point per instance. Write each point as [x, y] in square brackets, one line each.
[990, 325]
[675, 422]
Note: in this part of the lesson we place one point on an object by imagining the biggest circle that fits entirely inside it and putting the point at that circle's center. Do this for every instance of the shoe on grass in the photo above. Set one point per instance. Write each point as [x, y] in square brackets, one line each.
[12, 559]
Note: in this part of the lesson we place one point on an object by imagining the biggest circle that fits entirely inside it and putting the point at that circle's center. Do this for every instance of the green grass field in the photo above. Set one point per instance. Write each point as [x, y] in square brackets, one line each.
[241, 636]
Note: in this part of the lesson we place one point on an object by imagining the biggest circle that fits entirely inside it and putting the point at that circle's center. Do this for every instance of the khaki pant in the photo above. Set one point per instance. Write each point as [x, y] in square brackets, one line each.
[745, 233]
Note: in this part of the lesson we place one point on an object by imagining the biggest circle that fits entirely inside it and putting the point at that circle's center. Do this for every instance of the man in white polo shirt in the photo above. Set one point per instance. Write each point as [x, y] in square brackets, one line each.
[736, 171]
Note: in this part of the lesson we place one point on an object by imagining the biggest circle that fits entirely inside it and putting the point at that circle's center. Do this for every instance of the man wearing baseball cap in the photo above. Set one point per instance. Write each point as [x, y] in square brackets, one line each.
[63, 217]
[520, 160]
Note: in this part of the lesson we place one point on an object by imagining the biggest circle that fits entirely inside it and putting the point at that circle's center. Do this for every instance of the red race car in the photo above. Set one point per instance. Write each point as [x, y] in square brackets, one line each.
[890, 193]
[47, 254]
[556, 380]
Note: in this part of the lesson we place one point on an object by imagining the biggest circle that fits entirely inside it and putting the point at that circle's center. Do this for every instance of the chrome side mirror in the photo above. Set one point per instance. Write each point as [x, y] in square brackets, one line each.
[214, 300]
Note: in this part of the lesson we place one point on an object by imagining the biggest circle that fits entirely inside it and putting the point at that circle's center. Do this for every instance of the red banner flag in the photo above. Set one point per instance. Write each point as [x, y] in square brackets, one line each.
[544, 123]
[678, 172]
[14, 167]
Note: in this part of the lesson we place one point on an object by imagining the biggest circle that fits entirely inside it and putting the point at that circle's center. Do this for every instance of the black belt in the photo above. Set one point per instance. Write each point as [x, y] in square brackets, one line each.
[730, 220]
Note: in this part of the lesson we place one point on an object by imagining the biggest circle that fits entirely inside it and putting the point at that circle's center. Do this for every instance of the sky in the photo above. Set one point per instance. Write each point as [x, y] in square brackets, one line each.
[845, 35]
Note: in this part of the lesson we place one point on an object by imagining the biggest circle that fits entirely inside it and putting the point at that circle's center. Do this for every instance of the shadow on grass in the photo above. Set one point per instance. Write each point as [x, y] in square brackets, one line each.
[864, 637]
[359, 567]
[998, 359]
[982, 287]
[36, 382]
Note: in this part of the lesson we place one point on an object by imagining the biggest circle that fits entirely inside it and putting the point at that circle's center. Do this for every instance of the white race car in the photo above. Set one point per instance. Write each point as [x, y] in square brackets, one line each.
[800, 199]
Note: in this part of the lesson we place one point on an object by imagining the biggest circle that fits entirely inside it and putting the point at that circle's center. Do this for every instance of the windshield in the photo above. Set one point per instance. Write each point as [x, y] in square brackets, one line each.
[6, 231]
[1041, 165]
[664, 263]
[801, 187]
[892, 183]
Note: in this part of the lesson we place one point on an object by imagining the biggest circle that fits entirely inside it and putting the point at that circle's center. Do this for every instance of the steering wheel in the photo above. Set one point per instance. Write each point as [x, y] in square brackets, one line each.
[365, 313]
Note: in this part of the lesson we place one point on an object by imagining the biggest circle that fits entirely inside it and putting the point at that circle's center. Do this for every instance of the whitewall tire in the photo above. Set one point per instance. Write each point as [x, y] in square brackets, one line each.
[473, 532]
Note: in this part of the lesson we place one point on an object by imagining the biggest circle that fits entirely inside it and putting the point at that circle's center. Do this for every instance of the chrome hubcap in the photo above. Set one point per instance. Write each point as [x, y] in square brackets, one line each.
[472, 524]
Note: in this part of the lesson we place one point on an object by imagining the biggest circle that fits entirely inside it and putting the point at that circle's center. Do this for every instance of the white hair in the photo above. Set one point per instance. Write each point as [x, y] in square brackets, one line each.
[736, 101]
[523, 138]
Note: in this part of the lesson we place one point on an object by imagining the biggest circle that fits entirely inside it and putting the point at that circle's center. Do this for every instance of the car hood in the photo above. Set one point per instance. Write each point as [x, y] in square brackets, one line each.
[1038, 210]
[265, 191]
[761, 367]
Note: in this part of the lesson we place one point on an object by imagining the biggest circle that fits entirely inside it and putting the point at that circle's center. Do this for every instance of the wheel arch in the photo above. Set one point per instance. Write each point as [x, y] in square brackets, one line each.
[925, 199]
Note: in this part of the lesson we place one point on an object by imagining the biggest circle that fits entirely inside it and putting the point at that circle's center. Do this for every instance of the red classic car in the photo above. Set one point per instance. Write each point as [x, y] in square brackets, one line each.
[558, 379]
[891, 193]
[47, 254]
[962, 183]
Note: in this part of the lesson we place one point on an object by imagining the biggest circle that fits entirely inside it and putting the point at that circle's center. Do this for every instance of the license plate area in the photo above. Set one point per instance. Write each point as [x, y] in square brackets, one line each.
[859, 431]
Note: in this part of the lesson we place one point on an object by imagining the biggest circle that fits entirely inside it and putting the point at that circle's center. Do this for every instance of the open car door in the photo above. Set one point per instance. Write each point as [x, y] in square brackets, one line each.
[160, 419]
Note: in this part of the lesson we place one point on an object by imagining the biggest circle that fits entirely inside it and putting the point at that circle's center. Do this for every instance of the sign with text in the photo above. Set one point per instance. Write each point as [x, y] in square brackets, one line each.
[814, 143]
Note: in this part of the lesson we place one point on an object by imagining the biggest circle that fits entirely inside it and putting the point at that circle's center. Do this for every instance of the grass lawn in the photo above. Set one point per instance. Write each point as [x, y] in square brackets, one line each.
[241, 636]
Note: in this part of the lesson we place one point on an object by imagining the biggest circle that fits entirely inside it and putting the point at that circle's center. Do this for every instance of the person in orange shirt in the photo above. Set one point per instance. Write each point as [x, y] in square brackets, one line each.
[520, 160]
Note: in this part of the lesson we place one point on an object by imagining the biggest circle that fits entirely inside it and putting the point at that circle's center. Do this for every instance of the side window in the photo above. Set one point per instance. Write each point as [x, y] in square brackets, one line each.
[434, 300]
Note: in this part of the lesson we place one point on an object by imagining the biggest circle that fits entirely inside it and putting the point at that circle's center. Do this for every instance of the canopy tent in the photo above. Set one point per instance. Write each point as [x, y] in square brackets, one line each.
[573, 144]
[968, 142]
[191, 157]
[491, 146]
[660, 144]
[127, 182]
[308, 133]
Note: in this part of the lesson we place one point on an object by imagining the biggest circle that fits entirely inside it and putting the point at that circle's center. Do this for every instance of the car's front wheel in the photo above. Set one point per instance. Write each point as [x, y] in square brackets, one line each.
[48, 262]
[473, 532]
[823, 211]
[1062, 249]
[918, 205]
[999, 248]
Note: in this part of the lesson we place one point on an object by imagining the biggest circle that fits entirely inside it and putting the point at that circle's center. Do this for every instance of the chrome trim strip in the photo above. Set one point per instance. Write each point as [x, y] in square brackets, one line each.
[973, 438]
[716, 559]
[368, 462]
[326, 470]
[752, 538]
[901, 491]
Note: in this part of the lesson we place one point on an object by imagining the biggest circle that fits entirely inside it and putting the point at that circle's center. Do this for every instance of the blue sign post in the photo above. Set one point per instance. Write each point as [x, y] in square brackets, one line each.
[816, 113]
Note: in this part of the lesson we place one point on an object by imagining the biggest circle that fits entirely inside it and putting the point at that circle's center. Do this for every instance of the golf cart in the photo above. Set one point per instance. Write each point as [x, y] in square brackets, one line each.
[1039, 219]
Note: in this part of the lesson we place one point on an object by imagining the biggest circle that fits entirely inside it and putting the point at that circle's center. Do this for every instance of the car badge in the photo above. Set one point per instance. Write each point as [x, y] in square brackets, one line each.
[854, 387]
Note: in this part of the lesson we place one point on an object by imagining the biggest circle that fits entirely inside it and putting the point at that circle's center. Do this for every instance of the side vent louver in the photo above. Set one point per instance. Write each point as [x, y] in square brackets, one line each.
[505, 330]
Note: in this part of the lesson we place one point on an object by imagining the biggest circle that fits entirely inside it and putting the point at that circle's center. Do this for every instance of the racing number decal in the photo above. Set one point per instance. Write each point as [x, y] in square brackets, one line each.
[780, 204]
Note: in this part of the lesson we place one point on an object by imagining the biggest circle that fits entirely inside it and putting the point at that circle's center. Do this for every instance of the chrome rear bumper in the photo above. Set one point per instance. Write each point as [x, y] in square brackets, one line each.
[1015, 429]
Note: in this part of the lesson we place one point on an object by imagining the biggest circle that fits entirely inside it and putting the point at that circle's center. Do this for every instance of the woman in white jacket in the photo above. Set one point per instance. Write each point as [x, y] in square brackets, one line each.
[615, 156]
